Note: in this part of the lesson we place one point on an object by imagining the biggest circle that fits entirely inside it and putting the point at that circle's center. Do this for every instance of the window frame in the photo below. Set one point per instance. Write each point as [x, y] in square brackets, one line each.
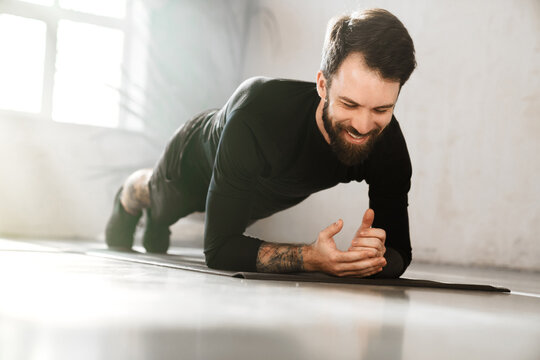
[51, 16]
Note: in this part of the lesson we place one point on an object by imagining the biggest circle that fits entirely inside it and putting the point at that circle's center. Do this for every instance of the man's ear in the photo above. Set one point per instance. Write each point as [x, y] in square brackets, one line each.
[321, 85]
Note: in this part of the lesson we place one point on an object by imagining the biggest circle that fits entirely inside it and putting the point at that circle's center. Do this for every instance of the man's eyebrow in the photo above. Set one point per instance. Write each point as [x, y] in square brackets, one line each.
[352, 102]
[387, 106]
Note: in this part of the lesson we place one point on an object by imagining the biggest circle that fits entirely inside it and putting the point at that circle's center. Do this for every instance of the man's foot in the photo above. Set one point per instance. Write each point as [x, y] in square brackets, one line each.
[121, 226]
[156, 237]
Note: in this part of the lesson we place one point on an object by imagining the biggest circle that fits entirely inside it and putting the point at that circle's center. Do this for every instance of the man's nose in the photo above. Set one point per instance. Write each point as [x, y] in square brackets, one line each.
[363, 121]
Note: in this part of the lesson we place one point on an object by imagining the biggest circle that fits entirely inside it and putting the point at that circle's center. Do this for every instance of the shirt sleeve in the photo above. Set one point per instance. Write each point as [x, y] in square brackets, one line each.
[239, 161]
[389, 182]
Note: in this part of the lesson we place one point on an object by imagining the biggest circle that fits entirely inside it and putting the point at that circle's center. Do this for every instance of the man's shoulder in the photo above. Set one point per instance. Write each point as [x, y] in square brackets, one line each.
[274, 112]
[265, 83]
[389, 162]
[392, 138]
[261, 93]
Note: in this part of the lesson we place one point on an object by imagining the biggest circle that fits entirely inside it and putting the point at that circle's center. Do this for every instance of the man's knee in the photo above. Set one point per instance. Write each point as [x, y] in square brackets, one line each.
[136, 194]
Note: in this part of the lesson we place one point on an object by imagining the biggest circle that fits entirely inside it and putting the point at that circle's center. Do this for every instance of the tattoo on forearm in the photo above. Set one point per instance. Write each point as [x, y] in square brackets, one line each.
[280, 258]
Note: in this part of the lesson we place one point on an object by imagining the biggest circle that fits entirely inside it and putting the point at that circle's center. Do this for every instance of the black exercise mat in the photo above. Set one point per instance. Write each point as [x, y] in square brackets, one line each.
[196, 263]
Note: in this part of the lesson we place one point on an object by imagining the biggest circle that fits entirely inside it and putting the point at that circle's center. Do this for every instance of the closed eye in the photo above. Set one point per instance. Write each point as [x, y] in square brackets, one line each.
[381, 111]
[350, 106]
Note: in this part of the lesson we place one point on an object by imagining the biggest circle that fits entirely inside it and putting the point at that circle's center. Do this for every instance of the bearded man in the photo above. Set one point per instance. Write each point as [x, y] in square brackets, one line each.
[277, 141]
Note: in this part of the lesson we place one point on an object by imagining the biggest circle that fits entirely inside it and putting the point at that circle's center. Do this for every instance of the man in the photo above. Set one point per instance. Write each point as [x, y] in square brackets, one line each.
[277, 141]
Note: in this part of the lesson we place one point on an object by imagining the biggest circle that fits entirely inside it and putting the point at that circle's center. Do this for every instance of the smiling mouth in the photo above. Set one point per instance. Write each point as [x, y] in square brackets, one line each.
[356, 137]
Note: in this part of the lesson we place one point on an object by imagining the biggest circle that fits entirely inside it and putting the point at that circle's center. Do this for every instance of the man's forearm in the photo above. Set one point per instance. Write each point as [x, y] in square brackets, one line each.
[280, 258]
[284, 258]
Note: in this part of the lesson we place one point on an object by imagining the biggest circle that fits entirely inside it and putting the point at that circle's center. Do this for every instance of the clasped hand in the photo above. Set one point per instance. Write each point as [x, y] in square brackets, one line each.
[364, 257]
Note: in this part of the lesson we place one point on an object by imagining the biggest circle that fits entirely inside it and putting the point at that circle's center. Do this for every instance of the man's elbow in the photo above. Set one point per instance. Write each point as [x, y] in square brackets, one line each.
[237, 253]
[213, 260]
[213, 255]
[218, 259]
[395, 266]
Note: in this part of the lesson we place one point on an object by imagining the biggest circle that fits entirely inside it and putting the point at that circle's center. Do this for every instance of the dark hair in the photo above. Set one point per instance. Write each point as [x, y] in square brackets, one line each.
[379, 36]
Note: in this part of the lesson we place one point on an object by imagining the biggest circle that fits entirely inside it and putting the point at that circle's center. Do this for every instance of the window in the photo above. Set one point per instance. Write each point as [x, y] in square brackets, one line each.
[21, 65]
[64, 59]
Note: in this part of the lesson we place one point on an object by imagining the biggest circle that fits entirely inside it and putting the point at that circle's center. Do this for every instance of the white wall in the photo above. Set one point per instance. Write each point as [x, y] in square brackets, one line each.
[58, 179]
[470, 114]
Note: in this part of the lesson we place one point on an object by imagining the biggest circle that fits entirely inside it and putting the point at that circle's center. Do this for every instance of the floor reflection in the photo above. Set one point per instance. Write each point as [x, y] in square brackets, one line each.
[387, 342]
[57, 305]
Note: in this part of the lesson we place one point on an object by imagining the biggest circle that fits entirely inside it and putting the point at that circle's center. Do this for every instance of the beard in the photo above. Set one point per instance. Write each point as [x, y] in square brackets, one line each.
[347, 152]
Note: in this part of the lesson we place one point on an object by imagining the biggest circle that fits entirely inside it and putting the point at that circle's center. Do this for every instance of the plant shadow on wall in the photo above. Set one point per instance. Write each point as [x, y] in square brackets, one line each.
[184, 57]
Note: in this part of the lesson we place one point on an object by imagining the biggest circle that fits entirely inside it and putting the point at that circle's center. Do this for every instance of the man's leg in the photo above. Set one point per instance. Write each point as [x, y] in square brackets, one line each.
[156, 237]
[135, 194]
[172, 190]
[164, 201]
[129, 202]
[171, 198]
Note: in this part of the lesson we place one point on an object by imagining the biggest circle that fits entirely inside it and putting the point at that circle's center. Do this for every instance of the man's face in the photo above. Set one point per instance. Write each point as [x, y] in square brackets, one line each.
[358, 106]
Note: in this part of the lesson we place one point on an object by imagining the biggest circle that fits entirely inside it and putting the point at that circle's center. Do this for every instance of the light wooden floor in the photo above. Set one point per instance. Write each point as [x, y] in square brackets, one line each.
[60, 305]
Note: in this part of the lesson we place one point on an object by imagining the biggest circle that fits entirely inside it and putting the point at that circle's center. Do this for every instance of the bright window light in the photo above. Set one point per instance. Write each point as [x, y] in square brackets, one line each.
[88, 74]
[112, 8]
[40, 2]
[22, 49]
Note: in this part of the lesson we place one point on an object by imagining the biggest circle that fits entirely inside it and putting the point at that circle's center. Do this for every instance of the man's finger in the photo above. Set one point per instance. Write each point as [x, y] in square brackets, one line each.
[367, 242]
[371, 251]
[362, 265]
[372, 232]
[332, 229]
[352, 256]
[363, 273]
[367, 220]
